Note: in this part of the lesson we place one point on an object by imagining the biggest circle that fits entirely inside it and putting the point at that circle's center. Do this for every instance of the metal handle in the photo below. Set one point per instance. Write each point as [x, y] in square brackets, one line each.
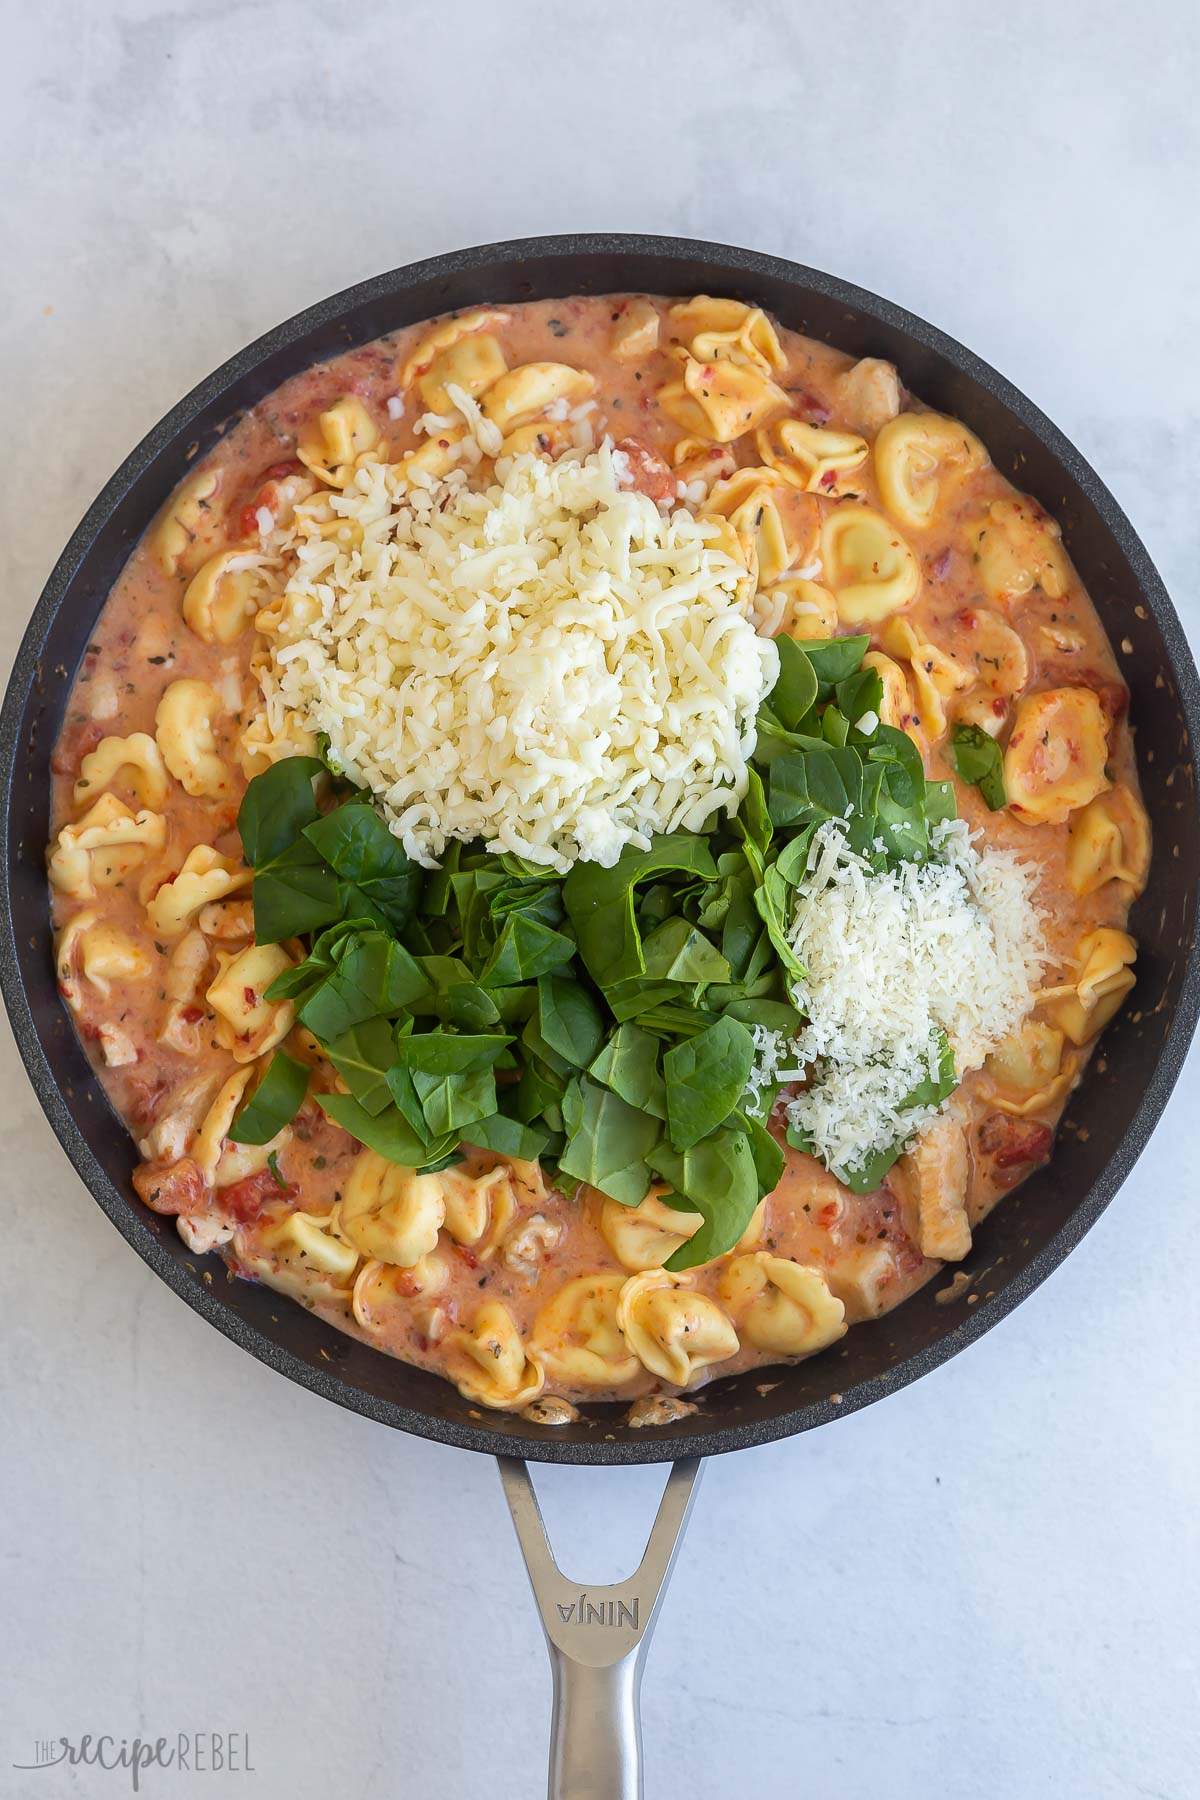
[597, 1640]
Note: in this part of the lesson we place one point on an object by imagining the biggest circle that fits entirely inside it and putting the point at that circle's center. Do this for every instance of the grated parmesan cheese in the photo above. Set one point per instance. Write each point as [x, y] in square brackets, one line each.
[955, 943]
[551, 666]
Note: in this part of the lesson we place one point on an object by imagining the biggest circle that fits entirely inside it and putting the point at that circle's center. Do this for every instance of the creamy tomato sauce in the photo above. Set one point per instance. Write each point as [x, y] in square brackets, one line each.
[997, 598]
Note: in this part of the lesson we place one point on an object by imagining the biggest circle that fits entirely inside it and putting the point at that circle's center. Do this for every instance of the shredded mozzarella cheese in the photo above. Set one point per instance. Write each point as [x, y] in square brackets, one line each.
[552, 665]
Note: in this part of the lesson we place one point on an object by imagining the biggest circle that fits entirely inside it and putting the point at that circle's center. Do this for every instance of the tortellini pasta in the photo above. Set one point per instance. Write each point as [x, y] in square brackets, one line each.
[189, 524]
[259, 745]
[720, 400]
[380, 1286]
[1017, 548]
[577, 1338]
[781, 1307]
[1109, 840]
[647, 1235]
[1028, 1071]
[342, 434]
[675, 1331]
[489, 1363]
[1082, 1009]
[223, 597]
[249, 1023]
[913, 454]
[644, 1236]
[206, 876]
[544, 437]
[896, 708]
[797, 607]
[101, 952]
[525, 392]
[100, 849]
[812, 456]
[471, 365]
[1056, 756]
[132, 762]
[867, 564]
[390, 1213]
[478, 1208]
[935, 676]
[92, 949]
[184, 730]
[729, 330]
[312, 1240]
[1000, 664]
[756, 505]
[214, 1128]
[447, 333]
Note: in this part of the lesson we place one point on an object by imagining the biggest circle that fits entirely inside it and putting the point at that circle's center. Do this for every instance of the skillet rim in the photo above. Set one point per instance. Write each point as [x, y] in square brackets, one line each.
[686, 1438]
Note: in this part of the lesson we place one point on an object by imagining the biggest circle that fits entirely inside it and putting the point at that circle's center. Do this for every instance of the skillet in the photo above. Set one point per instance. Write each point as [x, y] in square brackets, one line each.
[597, 1637]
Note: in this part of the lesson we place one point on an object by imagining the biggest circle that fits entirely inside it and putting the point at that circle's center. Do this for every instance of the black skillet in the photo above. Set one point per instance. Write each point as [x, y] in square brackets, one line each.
[1107, 1123]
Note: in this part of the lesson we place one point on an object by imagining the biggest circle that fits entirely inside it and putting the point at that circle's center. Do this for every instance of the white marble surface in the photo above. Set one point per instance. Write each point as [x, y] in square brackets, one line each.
[986, 1588]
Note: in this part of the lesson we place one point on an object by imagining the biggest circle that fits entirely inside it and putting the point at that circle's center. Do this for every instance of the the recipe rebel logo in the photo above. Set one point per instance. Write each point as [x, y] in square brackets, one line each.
[189, 1752]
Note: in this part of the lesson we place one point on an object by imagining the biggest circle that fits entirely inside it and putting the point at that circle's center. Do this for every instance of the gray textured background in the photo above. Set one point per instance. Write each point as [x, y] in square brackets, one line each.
[986, 1588]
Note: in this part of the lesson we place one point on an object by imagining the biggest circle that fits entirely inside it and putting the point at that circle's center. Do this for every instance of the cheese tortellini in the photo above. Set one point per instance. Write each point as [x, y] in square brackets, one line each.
[577, 1338]
[184, 730]
[1017, 548]
[647, 1235]
[1083, 1008]
[390, 1213]
[869, 567]
[1109, 840]
[781, 1307]
[94, 949]
[206, 876]
[446, 334]
[771, 537]
[489, 1362]
[720, 400]
[250, 1024]
[935, 676]
[132, 762]
[796, 607]
[525, 392]
[223, 597]
[342, 434]
[101, 848]
[478, 1208]
[1029, 1071]
[811, 456]
[190, 524]
[675, 1331]
[1056, 756]
[913, 454]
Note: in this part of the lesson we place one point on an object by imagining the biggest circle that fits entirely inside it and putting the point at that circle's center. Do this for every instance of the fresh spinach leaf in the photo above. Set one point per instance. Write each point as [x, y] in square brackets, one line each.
[795, 692]
[274, 1103]
[362, 1056]
[677, 951]
[628, 1064]
[600, 902]
[705, 1079]
[718, 1179]
[979, 760]
[569, 1021]
[609, 1142]
[358, 846]
[276, 807]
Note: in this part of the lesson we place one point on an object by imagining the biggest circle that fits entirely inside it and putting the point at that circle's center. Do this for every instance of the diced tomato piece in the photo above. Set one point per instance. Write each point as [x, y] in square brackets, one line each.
[246, 1199]
[172, 1187]
[1010, 1141]
[651, 475]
